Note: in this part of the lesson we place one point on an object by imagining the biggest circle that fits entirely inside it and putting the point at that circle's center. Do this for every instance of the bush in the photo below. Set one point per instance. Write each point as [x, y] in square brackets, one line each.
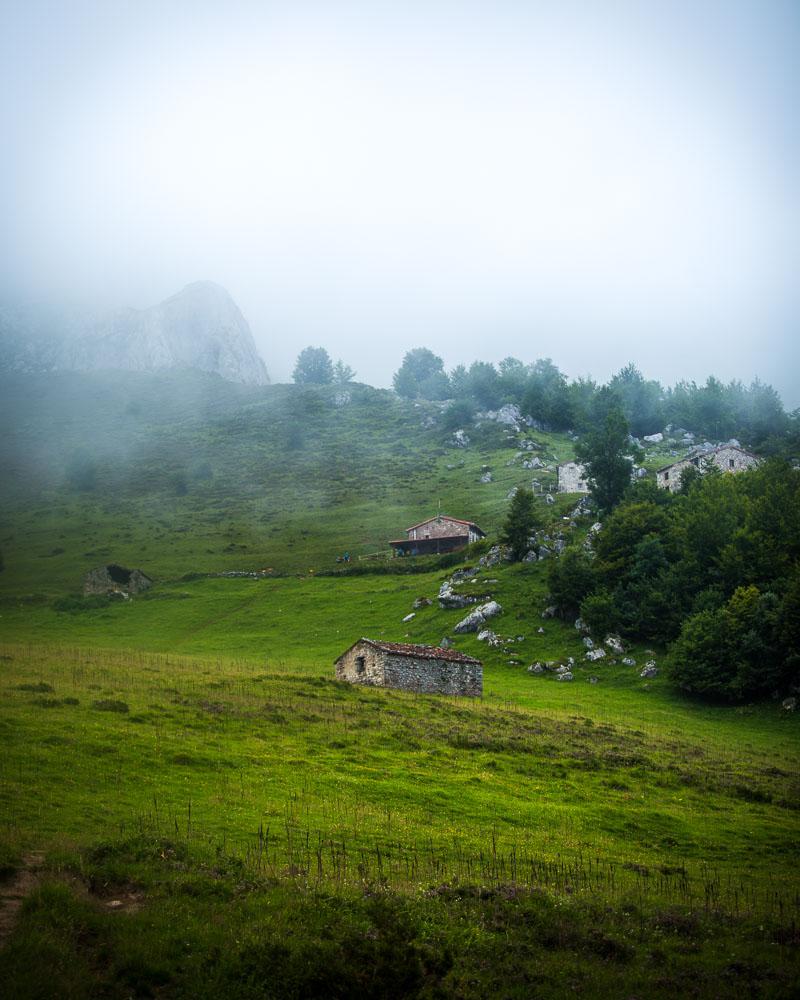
[600, 613]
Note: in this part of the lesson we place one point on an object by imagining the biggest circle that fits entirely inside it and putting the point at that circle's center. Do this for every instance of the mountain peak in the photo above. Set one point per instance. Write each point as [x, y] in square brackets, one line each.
[200, 327]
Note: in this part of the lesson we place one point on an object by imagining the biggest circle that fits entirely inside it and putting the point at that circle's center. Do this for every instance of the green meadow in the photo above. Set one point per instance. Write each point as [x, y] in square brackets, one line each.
[207, 812]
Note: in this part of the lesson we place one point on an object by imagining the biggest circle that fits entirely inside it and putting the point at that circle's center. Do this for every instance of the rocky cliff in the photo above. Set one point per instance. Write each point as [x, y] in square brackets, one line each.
[199, 328]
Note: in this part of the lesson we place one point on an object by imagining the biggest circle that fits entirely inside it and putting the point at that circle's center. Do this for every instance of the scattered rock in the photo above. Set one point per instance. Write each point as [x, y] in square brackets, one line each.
[342, 398]
[566, 676]
[486, 478]
[476, 618]
[410, 617]
[593, 680]
[459, 439]
[549, 498]
[540, 630]
[654, 438]
[486, 635]
[422, 602]
[530, 556]
[580, 625]
[596, 654]
[614, 643]
[536, 668]
[629, 661]
[649, 670]
[789, 704]
[588, 643]
[550, 611]
[495, 555]
[449, 600]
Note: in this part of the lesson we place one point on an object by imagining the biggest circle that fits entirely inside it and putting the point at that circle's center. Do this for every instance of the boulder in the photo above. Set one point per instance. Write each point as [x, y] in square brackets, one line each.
[410, 617]
[595, 654]
[649, 670]
[614, 643]
[486, 478]
[550, 611]
[486, 635]
[530, 556]
[476, 618]
[593, 680]
[789, 704]
[580, 625]
[422, 602]
[495, 555]
[459, 439]
[540, 630]
[449, 600]
[536, 668]
[549, 498]
[629, 661]
[588, 643]
[654, 438]
[566, 676]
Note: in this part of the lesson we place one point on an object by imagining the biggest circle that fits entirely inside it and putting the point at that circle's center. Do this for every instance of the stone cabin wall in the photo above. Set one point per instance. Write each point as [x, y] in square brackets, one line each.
[348, 667]
[572, 478]
[409, 673]
[433, 676]
[726, 460]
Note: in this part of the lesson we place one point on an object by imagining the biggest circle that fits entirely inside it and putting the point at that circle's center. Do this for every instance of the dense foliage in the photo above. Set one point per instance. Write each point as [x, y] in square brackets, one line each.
[520, 523]
[313, 367]
[752, 413]
[714, 570]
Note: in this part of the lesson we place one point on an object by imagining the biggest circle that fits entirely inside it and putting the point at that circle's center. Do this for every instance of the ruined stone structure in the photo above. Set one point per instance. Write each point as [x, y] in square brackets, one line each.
[113, 579]
[726, 458]
[425, 669]
[437, 534]
[572, 478]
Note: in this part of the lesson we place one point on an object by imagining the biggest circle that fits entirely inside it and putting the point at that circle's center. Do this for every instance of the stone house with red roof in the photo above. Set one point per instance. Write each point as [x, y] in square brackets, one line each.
[436, 535]
[410, 667]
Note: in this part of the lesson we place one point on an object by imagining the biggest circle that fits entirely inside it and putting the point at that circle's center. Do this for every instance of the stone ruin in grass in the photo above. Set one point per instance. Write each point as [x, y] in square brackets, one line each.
[114, 579]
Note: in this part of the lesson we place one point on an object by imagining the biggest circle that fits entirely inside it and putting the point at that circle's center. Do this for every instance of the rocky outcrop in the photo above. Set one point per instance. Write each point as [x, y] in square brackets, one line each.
[476, 618]
[200, 328]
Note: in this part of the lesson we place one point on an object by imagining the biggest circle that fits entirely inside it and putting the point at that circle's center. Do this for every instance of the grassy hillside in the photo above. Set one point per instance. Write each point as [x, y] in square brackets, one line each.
[215, 815]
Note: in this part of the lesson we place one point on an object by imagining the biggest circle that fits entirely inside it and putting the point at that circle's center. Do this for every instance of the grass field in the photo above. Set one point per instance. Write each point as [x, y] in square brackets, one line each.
[201, 810]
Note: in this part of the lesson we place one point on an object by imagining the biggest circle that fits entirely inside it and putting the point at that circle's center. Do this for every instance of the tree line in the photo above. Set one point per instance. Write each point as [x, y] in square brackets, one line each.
[712, 570]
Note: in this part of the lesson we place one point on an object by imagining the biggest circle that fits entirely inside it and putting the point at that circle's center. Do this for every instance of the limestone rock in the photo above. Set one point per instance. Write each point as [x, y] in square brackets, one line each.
[476, 618]
[629, 661]
[596, 654]
[614, 643]
[649, 670]
[566, 676]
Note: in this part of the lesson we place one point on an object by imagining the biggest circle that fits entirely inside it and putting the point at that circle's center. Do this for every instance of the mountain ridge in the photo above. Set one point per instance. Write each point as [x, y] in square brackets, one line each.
[200, 327]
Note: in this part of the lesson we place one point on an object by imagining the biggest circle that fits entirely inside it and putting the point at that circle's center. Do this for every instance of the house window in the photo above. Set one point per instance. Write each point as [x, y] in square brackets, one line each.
[666, 476]
[731, 463]
[361, 664]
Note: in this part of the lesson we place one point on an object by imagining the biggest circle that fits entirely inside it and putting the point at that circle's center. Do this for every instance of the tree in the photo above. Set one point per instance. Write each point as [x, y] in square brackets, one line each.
[342, 373]
[640, 400]
[520, 523]
[570, 578]
[313, 367]
[421, 374]
[604, 453]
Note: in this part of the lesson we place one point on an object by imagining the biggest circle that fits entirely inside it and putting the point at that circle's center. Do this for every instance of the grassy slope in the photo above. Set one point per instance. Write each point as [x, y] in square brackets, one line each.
[235, 724]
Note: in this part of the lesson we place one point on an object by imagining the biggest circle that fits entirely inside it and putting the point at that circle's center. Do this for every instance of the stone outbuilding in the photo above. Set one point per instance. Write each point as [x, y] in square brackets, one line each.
[424, 669]
[437, 534]
[114, 579]
[572, 478]
[726, 458]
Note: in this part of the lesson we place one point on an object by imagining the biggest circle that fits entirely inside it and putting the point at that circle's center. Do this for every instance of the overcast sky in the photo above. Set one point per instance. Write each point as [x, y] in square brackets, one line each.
[597, 182]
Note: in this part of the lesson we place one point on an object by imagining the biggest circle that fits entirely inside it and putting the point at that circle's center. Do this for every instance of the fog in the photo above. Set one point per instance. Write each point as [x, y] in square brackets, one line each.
[597, 183]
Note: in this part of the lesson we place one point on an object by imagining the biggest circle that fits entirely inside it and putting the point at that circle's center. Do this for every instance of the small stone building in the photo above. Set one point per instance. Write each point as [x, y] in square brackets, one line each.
[726, 458]
[425, 669]
[437, 534]
[572, 478]
[114, 579]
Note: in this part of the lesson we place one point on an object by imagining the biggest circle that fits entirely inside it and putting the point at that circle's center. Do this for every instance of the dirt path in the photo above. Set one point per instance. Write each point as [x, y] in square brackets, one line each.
[14, 892]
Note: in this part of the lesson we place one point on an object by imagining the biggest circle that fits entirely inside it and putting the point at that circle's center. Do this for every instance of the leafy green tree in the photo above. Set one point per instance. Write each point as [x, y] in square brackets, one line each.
[641, 400]
[520, 523]
[604, 452]
[460, 413]
[625, 528]
[421, 374]
[600, 613]
[570, 579]
[484, 384]
[342, 373]
[313, 367]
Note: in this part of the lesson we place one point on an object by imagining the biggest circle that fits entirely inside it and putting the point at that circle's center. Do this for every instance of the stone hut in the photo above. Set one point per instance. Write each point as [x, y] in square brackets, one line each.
[114, 579]
[572, 478]
[726, 458]
[425, 669]
[437, 534]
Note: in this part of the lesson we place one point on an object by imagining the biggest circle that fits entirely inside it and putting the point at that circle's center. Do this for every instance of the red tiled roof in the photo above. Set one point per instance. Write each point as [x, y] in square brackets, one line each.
[410, 649]
[444, 517]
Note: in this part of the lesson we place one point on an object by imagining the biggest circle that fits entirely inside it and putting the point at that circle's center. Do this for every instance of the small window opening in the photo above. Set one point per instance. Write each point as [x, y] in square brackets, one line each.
[361, 664]
[666, 476]
[731, 463]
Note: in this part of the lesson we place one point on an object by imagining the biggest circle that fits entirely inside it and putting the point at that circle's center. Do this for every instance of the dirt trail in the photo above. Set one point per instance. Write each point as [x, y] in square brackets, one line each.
[15, 890]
